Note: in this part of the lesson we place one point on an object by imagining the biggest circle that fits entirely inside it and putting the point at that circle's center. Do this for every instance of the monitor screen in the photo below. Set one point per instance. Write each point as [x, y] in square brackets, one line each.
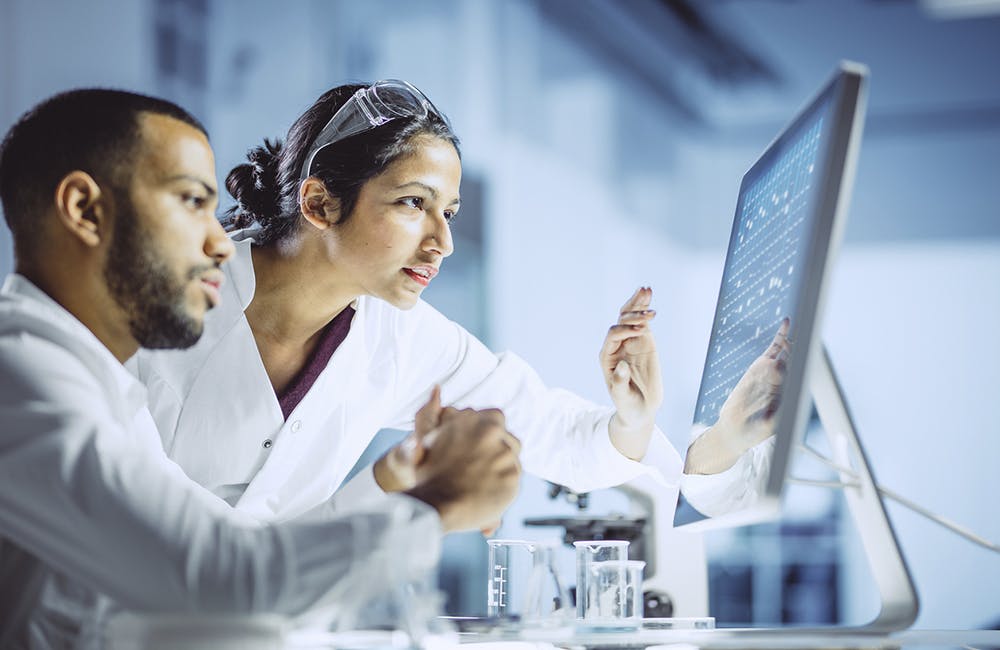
[753, 402]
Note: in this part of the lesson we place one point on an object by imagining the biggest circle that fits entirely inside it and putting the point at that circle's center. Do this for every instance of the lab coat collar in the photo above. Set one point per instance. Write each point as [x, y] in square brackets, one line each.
[270, 492]
[31, 309]
[240, 267]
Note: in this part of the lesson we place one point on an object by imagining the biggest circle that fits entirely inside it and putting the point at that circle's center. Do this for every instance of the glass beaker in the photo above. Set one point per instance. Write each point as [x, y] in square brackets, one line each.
[614, 594]
[523, 582]
[587, 552]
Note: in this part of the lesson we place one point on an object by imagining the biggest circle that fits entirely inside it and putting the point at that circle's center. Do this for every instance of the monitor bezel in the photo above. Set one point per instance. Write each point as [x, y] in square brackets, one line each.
[846, 91]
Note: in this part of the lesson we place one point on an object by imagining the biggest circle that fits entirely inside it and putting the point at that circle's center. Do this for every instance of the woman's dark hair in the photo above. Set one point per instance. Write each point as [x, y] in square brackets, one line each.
[266, 188]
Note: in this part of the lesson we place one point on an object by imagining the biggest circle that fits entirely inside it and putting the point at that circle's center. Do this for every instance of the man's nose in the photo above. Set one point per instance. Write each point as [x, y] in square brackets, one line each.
[218, 245]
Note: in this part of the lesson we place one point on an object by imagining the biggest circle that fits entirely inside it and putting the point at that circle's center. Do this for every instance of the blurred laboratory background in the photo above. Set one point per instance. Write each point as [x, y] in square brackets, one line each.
[603, 145]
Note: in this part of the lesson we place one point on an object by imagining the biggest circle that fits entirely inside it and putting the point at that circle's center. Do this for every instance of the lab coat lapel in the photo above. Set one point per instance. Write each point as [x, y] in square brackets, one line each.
[312, 437]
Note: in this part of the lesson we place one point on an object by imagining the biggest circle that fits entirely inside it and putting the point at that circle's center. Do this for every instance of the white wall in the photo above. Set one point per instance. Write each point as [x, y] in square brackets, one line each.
[89, 54]
[911, 331]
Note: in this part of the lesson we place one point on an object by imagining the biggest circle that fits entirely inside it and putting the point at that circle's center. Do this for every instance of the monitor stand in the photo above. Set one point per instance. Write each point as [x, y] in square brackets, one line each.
[899, 604]
[892, 577]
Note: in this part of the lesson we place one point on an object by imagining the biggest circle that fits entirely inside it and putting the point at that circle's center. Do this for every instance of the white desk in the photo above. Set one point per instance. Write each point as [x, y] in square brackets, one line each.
[264, 633]
[736, 639]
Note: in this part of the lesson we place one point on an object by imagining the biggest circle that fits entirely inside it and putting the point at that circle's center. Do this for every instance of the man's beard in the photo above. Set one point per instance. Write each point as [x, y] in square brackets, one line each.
[144, 287]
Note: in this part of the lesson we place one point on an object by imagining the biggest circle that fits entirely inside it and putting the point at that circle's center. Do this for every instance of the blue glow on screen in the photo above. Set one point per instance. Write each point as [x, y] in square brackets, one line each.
[762, 278]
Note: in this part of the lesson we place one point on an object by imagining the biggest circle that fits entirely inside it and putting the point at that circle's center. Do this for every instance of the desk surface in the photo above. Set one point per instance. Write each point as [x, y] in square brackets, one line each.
[716, 639]
[273, 633]
[789, 639]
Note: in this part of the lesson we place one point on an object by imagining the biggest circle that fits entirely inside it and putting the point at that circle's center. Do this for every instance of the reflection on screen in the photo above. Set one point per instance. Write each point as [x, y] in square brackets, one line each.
[760, 281]
[743, 380]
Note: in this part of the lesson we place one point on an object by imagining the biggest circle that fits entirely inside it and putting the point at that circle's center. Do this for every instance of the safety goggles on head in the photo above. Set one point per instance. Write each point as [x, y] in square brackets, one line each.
[368, 108]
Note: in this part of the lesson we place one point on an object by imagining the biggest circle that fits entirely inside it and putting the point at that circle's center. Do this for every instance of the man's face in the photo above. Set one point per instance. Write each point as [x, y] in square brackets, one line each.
[163, 261]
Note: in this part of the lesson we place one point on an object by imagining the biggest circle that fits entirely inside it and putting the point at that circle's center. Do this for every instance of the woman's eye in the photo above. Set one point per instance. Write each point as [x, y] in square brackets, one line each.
[193, 201]
[414, 202]
[450, 215]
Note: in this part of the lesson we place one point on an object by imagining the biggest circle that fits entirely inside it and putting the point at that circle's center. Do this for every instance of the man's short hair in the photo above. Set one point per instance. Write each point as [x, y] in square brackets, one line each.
[95, 130]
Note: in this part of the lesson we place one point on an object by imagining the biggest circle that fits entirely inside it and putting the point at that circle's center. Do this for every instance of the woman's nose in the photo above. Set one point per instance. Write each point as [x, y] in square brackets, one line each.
[439, 239]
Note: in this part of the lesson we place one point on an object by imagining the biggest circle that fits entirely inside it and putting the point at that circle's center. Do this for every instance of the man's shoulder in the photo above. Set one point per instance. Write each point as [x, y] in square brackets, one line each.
[42, 360]
[27, 326]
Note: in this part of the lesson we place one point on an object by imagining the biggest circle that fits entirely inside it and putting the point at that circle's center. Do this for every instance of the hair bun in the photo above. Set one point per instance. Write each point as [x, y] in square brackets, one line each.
[254, 185]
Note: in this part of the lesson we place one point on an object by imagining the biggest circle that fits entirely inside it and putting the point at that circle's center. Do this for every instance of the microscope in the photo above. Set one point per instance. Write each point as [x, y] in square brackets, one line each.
[675, 581]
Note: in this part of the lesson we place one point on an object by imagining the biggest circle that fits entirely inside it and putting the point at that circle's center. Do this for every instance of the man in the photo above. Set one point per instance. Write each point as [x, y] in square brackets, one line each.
[111, 200]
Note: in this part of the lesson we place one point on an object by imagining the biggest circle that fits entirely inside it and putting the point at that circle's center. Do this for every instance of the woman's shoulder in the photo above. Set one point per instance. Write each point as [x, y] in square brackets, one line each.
[380, 314]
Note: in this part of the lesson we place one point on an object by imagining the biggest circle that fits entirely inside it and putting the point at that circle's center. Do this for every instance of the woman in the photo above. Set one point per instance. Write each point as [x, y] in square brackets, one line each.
[321, 338]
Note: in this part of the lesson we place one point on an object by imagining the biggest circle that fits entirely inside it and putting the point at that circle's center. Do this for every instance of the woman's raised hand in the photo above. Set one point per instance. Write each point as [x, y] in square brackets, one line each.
[631, 370]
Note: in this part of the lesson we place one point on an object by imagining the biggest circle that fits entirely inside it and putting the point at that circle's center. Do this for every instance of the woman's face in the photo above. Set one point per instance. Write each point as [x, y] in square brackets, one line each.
[393, 244]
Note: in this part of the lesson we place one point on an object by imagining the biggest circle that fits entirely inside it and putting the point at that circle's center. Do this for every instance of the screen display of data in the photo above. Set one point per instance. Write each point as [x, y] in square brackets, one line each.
[752, 406]
[766, 251]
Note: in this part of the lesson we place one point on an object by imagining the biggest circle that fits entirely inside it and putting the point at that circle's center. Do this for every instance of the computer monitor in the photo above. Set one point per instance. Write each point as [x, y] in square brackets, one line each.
[766, 363]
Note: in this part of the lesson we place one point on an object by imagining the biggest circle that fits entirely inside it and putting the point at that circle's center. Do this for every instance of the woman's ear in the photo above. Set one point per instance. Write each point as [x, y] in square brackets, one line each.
[81, 207]
[317, 206]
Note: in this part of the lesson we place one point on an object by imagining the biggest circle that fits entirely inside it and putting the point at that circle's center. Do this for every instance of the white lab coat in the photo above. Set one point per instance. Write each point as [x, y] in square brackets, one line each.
[737, 488]
[220, 419]
[91, 508]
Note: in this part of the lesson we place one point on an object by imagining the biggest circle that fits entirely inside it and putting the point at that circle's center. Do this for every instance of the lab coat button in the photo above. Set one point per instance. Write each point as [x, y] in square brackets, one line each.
[296, 425]
[268, 443]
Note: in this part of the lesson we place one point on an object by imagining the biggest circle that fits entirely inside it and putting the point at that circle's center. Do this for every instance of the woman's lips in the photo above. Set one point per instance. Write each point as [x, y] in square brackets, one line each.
[416, 277]
[421, 274]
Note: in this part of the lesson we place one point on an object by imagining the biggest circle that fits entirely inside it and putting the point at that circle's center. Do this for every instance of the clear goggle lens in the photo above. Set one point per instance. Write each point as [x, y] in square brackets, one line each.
[368, 108]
